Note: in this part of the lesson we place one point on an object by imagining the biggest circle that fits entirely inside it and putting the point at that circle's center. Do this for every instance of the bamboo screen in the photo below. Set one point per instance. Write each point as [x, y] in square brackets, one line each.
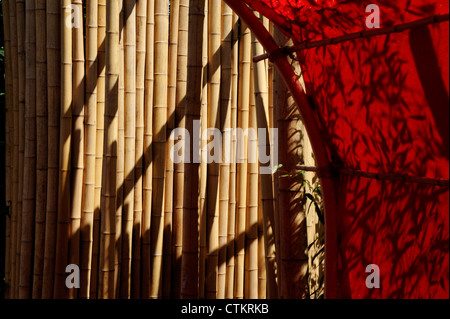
[95, 90]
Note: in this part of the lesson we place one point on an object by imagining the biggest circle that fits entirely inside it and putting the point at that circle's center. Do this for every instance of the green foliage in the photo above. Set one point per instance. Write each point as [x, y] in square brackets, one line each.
[310, 198]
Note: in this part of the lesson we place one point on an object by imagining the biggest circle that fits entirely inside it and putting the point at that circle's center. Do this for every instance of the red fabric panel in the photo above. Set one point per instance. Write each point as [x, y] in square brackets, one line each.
[305, 20]
[383, 106]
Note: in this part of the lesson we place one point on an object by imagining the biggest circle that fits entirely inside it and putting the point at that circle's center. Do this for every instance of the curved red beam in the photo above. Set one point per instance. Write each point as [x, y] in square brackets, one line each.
[315, 135]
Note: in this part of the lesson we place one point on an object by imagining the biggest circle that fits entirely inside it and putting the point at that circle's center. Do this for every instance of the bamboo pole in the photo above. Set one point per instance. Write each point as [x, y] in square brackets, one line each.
[189, 266]
[120, 156]
[229, 293]
[9, 128]
[202, 208]
[29, 181]
[15, 148]
[251, 221]
[181, 83]
[101, 74]
[148, 151]
[262, 277]
[214, 167]
[159, 142]
[107, 246]
[293, 240]
[262, 108]
[169, 185]
[77, 147]
[243, 118]
[62, 236]
[87, 220]
[54, 105]
[20, 19]
[141, 21]
[278, 90]
[130, 142]
[41, 147]
[225, 110]
[130, 146]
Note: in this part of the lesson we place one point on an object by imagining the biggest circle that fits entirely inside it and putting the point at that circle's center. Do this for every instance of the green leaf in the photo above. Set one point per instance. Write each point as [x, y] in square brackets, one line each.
[276, 168]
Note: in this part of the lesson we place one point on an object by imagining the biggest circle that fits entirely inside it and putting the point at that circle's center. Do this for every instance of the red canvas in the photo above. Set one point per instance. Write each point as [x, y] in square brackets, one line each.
[382, 103]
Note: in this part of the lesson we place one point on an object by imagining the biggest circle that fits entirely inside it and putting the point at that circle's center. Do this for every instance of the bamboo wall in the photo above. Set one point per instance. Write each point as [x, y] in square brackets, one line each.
[94, 90]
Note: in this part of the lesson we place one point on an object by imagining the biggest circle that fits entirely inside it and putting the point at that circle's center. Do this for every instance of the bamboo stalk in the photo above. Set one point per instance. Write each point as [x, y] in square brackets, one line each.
[41, 146]
[262, 277]
[130, 146]
[141, 21]
[202, 210]
[251, 221]
[278, 89]
[189, 266]
[101, 75]
[148, 151]
[225, 110]
[169, 185]
[179, 167]
[87, 220]
[20, 20]
[243, 120]
[63, 222]
[159, 142]
[214, 167]
[229, 293]
[54, 105]
[29, 181]
[293, 240]
[262, 110]
[77, 151]
[15, 148]
[107, 246]
[120, 156]
[9, 128]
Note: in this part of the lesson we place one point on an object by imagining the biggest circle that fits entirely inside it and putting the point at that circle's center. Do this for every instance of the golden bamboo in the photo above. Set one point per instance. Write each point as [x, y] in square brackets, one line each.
[202, 210]
[229, 293]
[148, 151]
[140, 44]
[54, 105]
[189, 266]
[130, 141]
[262, 112]
[62, 236]
[159, 142]
[169, 184]
[87, 220]
[120, 156]
[107, 246]
[225, 115]
[214, 18]
[101, 74]
[179, 167]
[262, 277]
[77, 148]
[243, 118]
[251, 221]
[41, 147]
